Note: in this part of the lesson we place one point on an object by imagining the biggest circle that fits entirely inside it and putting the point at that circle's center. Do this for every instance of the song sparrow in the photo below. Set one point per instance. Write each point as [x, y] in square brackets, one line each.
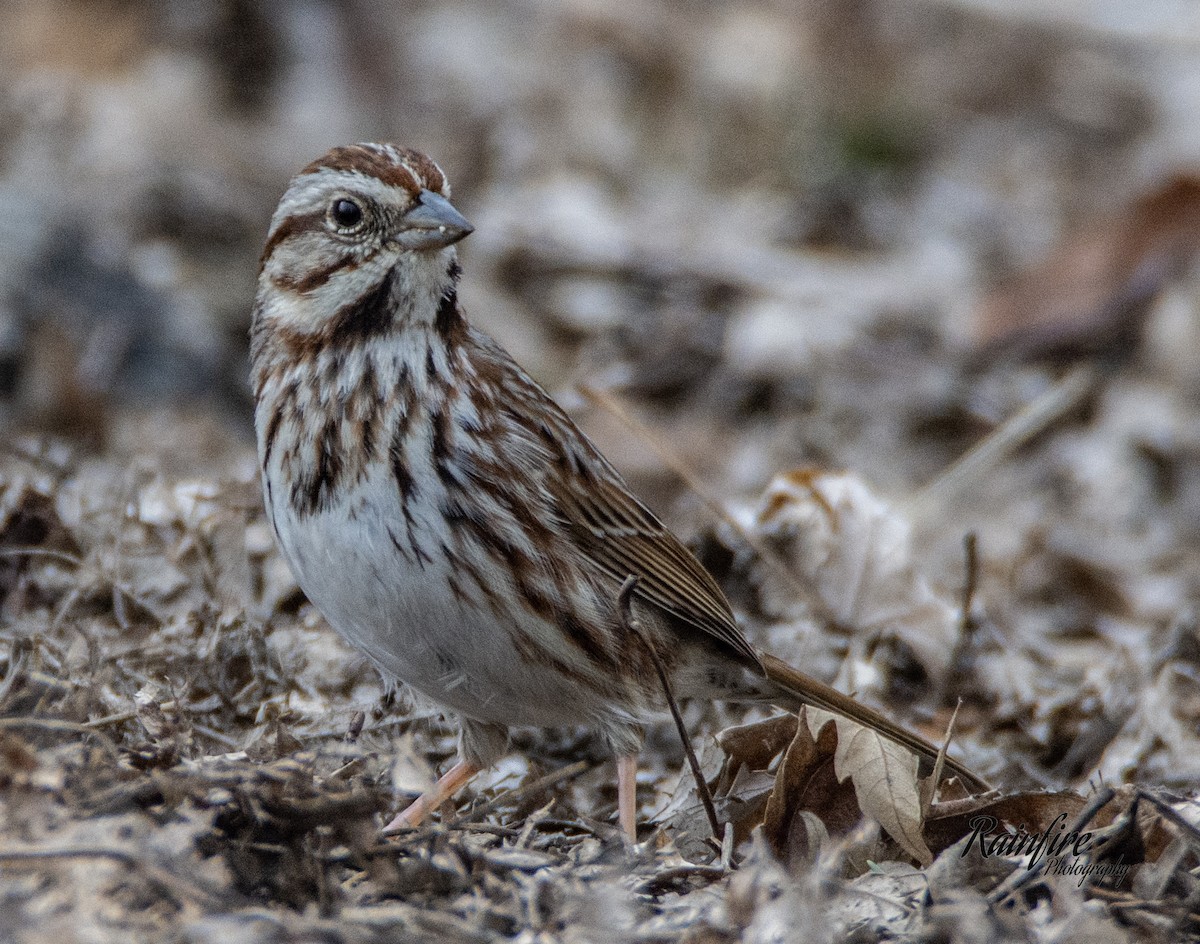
[442, 511]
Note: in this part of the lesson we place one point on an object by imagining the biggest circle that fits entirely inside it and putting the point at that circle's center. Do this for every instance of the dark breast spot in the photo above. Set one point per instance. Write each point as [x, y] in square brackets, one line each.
[364, 317]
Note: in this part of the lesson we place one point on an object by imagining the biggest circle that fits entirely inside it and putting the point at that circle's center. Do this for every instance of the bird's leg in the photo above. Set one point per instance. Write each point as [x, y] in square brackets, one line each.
[448, 784]
[627, 794]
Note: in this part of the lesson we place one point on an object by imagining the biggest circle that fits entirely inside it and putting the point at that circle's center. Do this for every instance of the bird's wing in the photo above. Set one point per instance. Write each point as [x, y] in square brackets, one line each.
[624, 538]
[620, 534]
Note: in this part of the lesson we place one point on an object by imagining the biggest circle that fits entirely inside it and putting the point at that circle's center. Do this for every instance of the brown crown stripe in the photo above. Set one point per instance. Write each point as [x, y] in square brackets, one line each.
[429, 175]
[415, 173]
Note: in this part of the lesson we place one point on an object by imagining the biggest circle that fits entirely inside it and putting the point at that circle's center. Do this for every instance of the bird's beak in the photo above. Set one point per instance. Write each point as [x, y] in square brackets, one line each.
[432, 223]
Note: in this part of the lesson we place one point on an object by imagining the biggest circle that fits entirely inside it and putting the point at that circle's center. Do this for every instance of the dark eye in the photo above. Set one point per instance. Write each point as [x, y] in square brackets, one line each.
[345, 213]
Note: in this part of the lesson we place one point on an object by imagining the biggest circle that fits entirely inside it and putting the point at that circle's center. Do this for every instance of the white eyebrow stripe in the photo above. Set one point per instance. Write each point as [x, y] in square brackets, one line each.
[311, 191]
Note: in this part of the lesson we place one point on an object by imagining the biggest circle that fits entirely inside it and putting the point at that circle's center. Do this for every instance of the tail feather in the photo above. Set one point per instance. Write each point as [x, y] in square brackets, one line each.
[794, 688]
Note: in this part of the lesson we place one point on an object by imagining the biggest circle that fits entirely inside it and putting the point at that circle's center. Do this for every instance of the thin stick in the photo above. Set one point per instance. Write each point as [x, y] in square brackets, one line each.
[42, 552]
[766, 554]
[940, 763]
[1013, 433]
[58, 724]
[629, 621]
[963, 653]
[119, 718]
[570, 772]
[179, 886]
[1191, 833]
[970, 582]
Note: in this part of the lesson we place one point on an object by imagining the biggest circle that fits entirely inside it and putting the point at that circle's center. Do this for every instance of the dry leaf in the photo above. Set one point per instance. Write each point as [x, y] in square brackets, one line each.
[840, 771]
[947, 823]
[806, 786]
[756, 744]
[168, 738]
[884, 776]
[1091, 294]
[739, 802]
[1163, 718]
[855, 552]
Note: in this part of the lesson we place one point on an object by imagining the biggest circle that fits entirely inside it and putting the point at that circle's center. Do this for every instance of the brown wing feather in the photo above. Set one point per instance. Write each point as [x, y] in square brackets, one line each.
[608, 523]
[624, 537]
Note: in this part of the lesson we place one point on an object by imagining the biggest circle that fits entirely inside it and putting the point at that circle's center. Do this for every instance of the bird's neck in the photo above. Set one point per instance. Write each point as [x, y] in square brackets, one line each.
[410, 313]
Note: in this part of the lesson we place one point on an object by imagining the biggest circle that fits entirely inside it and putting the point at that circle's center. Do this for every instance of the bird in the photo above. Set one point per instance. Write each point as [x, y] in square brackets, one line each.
[446, 515]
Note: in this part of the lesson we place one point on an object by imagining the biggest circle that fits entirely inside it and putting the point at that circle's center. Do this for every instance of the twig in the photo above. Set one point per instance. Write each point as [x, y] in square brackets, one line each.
[940, 762]
[766, 554]
[970, 583]
[58, 724]
[214, 735]
[118, 586]
[18, 658]
[1010, 886]
[407, 836]
[963, 654]
[46, 724]
[528, 789]
[384, 724]
[1013, 433]
[399, 842]
[119, 717]
[42, 552]
[1171, 815]
[660, 882]
[176, 885]
[727, 849]
[629, 621]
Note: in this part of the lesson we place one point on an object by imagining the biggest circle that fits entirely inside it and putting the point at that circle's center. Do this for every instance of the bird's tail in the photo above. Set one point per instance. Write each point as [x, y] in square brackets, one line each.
[792, 688]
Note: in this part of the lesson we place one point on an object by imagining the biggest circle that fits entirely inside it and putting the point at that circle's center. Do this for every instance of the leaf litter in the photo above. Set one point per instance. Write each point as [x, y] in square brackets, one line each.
[186, 751]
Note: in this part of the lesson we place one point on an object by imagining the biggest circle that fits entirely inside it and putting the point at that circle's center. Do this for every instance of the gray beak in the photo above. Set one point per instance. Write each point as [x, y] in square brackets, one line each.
[432, 224]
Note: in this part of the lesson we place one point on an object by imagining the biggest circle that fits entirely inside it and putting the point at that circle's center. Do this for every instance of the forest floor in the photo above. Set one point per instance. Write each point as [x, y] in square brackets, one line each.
[931, 418]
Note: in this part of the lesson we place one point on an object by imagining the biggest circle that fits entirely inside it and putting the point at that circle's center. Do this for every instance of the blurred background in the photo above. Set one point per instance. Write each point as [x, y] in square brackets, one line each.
[764, 220]
[868, 236]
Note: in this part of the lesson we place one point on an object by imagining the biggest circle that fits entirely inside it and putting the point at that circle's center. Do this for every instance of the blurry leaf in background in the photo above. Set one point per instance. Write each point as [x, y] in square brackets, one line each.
[1091, 295]
[854, 554]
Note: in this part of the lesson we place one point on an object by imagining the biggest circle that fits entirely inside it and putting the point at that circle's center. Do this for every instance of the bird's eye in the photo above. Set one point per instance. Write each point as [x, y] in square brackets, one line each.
[345, 213]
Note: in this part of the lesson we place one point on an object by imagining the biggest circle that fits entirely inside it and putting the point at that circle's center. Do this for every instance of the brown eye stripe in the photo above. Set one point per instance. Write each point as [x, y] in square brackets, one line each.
[292, 226]
[406, 170]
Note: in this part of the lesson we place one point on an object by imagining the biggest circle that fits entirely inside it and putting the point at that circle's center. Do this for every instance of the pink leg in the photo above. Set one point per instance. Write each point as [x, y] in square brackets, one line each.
[448, 785]
[627, 794]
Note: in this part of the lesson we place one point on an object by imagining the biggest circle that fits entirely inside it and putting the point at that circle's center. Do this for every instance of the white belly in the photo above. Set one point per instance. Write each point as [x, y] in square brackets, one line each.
[397, 606]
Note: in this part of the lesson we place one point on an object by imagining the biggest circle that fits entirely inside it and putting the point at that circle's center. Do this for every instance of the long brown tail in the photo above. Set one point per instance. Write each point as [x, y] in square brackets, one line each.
[795, 689]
